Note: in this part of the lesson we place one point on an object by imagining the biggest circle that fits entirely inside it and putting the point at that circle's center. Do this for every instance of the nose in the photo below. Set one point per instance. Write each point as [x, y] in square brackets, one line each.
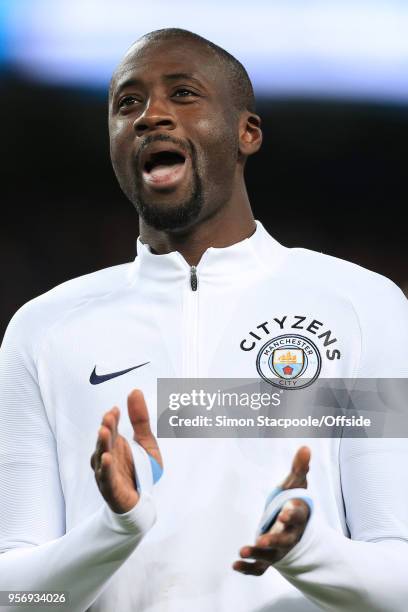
[156, 116]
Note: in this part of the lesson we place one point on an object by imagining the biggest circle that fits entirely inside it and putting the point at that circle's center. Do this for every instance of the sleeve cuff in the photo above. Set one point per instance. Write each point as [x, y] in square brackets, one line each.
[137, 521]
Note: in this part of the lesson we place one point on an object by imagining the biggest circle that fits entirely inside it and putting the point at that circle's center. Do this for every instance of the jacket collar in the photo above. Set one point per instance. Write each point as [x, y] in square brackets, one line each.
[259, 251]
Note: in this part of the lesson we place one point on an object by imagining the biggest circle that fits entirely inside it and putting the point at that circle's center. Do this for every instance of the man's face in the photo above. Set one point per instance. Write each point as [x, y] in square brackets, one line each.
[173, 133]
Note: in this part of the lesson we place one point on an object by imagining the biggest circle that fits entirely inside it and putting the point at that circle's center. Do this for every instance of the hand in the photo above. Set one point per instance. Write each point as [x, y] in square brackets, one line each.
[112, 460]
[288, 527]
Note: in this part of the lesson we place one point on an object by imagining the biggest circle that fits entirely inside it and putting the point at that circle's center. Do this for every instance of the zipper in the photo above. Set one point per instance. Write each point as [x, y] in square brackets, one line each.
[191, 326]
[193, 278]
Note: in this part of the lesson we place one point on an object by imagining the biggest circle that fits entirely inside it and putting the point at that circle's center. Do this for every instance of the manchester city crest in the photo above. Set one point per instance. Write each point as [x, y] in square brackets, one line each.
[289, 361]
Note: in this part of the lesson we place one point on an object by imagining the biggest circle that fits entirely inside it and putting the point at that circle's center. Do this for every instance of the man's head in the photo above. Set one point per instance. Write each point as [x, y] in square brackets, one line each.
[182, 124]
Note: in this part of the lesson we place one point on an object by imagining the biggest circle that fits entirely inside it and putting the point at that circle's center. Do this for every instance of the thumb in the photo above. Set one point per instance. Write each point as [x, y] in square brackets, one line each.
[300, 467]
[139, 417]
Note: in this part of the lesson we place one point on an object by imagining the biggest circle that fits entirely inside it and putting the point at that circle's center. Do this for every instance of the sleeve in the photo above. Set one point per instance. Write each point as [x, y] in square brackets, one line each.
[338, 573]
[36, 553]
[365, 572]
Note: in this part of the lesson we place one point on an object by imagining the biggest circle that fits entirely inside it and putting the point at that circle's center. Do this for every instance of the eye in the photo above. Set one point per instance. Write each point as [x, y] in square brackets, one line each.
[127, 101]
[183, 92]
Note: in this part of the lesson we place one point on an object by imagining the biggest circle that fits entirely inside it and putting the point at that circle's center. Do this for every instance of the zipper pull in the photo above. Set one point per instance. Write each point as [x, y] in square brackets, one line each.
[193, 278]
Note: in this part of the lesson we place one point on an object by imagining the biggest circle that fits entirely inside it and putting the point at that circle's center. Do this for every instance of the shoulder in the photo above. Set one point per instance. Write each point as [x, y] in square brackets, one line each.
[328, 275]
[380, 307]
[32, 320]
[355, 283]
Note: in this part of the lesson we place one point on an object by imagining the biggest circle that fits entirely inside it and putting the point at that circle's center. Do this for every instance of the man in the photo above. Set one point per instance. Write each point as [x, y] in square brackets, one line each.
[208, 291]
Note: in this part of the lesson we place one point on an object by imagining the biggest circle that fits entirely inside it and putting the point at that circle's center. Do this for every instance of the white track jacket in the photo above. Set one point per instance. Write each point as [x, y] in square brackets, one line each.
[173, 552]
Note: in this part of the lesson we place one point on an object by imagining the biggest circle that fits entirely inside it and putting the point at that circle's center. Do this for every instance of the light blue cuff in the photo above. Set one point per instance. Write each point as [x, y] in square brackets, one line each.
[273, 494]
[157, 470]
[147, 469]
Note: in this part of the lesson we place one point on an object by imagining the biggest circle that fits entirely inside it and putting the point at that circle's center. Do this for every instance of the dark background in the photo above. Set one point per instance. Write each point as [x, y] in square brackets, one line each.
[331, 176]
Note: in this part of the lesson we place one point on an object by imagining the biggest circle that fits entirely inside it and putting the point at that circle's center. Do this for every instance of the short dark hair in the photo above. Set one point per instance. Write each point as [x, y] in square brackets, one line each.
[241, 86]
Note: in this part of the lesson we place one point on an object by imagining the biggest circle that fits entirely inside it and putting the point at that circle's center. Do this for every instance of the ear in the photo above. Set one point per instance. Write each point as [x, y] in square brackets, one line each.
[250, 133]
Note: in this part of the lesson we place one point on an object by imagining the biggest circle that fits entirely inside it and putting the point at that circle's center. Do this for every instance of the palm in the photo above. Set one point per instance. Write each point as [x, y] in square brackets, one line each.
[112, 460]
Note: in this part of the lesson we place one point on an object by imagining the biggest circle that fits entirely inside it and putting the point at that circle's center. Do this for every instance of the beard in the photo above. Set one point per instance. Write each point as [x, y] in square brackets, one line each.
[164, 217]
[171, 217]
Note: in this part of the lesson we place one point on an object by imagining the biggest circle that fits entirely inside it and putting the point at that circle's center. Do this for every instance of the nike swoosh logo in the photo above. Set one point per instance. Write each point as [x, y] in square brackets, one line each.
[96, 379]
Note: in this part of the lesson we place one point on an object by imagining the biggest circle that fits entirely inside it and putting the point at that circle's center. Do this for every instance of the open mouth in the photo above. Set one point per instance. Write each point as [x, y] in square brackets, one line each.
[164, 168]
[163, 159]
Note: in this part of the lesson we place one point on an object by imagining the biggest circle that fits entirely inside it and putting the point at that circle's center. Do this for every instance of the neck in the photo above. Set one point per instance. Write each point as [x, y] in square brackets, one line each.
[232, 223]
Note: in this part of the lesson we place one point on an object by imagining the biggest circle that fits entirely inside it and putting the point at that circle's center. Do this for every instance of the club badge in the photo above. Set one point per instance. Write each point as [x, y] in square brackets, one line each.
[289, 361]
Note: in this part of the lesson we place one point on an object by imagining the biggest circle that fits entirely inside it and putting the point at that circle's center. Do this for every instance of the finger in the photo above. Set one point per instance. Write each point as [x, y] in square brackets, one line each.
[271, 548]
[255, 568]
[116, 417]
[139, 417]
[294, 512]
[105, 468]
[103, 444]
[293, 521]
[300, 467]
[278, 540]
[282, 536]
[110, 420]
[97, 452]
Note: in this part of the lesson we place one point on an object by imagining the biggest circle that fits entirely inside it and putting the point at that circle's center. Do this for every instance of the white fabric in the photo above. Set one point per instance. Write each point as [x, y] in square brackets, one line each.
[57, 533]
